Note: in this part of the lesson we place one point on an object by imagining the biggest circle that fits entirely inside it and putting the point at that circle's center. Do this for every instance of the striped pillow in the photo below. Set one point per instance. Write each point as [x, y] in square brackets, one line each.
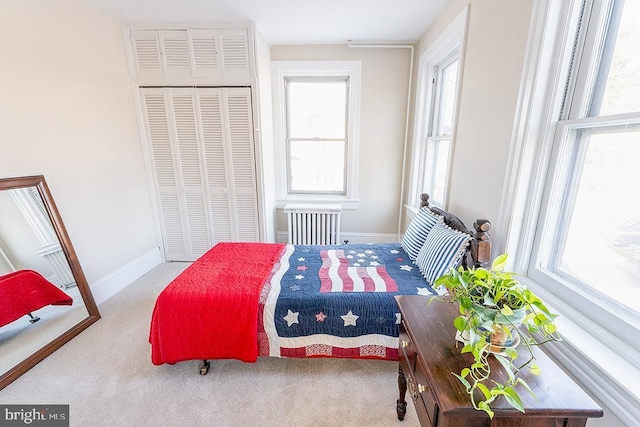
[441, 251]
[418, 230]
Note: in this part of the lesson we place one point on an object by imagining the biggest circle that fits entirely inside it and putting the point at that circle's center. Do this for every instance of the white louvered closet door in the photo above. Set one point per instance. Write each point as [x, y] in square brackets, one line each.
[241, 162]
[202, 152]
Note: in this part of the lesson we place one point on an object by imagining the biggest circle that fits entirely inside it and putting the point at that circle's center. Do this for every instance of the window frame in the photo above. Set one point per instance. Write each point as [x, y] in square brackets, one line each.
[446, 49]
[351, 70]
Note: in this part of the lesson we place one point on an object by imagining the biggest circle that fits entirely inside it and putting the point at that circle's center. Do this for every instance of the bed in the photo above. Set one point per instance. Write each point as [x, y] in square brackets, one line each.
[249, 300]
[24, 291]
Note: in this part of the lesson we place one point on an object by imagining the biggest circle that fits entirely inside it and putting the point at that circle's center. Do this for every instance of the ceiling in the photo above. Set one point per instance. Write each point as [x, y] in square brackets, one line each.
[292, 21]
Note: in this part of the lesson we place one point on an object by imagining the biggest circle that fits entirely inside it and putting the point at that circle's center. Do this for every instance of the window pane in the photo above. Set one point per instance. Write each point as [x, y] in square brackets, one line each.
[620, 79]
[317, 166]
[317, 109]
[436, 173]
[445, 109]
[602, 246]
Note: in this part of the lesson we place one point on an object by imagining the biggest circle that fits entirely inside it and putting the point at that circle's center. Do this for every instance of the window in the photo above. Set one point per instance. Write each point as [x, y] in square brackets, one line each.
[588, 238]
[435, 115]
[316, 106]
[316, 110]
[436, 146]
[569, 204]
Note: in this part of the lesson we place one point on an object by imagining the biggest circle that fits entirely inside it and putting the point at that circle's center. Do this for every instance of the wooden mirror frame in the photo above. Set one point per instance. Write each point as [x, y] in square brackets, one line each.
[39, 182]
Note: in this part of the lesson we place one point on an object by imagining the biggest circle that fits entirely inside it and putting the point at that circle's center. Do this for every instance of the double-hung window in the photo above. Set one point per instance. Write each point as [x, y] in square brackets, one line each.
[316, 110]
[436, 145]
[571, 203]
[316, 134]
[588, 235]
[438, 88]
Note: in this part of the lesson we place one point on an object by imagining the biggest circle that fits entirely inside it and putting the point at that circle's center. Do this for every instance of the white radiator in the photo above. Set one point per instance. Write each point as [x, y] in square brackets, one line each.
[313, 224]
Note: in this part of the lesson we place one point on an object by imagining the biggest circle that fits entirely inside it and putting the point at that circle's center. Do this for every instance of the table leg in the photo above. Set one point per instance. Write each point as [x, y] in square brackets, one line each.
[401, 403]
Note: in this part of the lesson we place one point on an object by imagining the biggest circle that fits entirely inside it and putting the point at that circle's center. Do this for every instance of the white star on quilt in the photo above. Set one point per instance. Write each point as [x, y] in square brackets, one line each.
[299, 277]
[291, 317]
[406, 267]
[300, 259]
[350, 319]
[374, 256]
[374, 263]
[361, 260]
[349, 256]
[395, 251]
[361, 255]
[352, 252]
[423, 291]
[398, 318]
[356, 264]
[368, 251]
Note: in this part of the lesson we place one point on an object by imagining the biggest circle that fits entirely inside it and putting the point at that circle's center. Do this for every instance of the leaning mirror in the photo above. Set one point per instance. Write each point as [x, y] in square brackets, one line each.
[44, 296]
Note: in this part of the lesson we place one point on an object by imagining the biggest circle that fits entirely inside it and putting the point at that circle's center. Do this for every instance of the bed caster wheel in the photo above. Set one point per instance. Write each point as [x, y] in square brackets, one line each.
[204, 369]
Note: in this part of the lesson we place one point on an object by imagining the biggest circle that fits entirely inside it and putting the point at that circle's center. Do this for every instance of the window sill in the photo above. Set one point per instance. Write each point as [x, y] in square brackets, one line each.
[604, 372]
[345, 203]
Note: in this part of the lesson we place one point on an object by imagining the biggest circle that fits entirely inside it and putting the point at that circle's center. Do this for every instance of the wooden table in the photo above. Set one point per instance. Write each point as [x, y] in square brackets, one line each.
[429, 354]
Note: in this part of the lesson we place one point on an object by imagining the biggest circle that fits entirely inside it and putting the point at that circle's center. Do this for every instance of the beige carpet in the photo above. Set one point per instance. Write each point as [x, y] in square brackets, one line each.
[106, 376]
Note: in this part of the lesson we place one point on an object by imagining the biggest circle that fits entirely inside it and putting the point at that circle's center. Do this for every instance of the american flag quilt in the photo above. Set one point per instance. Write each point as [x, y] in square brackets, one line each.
[336, 301]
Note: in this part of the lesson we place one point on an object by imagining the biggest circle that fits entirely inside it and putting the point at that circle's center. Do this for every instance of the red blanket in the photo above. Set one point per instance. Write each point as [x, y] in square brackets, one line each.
[210, 311]
[24, 291]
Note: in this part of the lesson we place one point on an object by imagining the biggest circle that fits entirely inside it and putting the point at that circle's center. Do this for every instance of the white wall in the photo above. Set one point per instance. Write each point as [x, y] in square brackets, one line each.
[495, 49]
[67, 113]
[385, 77]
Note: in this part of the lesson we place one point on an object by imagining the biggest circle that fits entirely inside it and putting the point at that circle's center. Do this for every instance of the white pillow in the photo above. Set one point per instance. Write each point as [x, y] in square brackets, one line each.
[441, 251]
[418, 230]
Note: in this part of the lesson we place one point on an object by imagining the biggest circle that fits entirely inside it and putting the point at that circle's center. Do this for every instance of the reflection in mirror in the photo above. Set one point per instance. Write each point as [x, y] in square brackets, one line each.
[44, 297]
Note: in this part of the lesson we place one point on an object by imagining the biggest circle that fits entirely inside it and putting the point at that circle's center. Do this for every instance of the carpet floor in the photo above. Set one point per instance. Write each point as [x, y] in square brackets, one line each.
[106, 376]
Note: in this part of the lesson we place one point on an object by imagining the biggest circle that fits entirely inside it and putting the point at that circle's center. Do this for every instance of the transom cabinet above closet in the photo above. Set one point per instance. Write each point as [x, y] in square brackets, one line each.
[203, 165]
[220, 54]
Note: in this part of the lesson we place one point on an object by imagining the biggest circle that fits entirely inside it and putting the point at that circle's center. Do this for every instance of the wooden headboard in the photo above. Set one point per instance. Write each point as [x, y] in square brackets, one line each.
[479, 249]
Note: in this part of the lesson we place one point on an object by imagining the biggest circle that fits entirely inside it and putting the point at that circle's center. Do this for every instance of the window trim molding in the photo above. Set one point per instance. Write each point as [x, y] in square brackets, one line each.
[452, 39]
[282, 69]
[549, 54]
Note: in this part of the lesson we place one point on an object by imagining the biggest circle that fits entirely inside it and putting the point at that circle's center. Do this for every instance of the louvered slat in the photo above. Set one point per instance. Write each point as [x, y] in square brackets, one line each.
[235, 52]
[220, 217]
[156, 118]
[240, 137]
[196, 217]
[175, 53]
[213, 138]
[173, 231]
[246, 217]
[185, 123]
[204, 53]
[146, 53]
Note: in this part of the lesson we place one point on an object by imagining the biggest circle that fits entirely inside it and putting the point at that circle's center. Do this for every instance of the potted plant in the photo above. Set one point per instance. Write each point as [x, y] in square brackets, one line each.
[497, 314]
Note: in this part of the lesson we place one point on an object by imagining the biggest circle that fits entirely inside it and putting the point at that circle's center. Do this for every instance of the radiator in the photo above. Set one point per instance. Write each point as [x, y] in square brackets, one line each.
[313, 224]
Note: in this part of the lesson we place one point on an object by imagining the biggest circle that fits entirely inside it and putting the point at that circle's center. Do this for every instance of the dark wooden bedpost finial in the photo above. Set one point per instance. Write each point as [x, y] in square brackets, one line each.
[481, 245]
[424, 200]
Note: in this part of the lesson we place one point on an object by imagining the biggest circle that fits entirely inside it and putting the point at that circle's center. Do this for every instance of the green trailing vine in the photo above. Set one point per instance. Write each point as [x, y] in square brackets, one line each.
[494, 305]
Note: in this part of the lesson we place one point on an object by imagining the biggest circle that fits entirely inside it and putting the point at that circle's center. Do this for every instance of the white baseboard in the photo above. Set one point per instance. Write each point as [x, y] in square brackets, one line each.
[110, 285]
[354, 237]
